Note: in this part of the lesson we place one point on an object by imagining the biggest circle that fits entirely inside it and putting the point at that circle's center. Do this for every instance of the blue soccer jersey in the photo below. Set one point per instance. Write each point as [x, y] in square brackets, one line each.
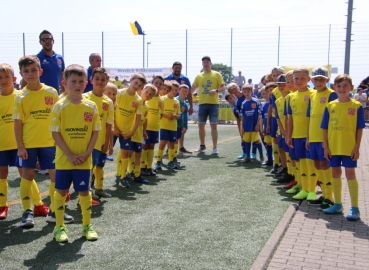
[250, 113]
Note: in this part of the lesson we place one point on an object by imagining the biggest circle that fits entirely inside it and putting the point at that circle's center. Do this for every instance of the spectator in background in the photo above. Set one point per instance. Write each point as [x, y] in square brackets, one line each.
[263, 81]
[256, 91]
[362, 98]
[249, 82]
[117, 82]
[125, 84]
[95, 61]
[364, 84]
[240, 80]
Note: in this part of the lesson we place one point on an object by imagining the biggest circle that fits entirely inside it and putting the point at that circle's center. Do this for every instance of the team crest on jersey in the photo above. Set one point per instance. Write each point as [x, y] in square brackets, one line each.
[160, 104]
[323, 100]
[49, 100]
[88, 117]
[253, 105]
[351, 111]
[105, 106]
[59, 61]
[175, 106]
[134, 105]
[306, 98]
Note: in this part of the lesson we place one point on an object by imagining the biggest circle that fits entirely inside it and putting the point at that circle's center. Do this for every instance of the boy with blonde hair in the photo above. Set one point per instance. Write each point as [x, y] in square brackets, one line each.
[267, 139]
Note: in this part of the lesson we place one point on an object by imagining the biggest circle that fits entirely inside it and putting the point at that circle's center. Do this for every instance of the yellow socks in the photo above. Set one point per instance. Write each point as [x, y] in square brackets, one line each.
[59, 206]
[86, 204]
[337, 190]
[354, 192]
[328, 184]
[99, 177]
[170, 154]
[3, 192]
[150, 158]
[131, 163]
[25, 193]
[304, 174]
[159, 156]
[312, 175]
[119, 162]
[137, 171]
[35, 194]
[52, 194]
[123, 167]
[175, 150]
[275, 153]
[289, 164]
[144, 158]
[297, 173]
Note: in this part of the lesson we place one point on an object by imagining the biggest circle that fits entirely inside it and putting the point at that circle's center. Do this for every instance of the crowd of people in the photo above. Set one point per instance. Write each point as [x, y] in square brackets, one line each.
[308, 133]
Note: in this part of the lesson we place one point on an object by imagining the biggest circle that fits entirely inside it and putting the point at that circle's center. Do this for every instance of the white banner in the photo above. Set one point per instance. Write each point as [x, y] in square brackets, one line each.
[127, 73]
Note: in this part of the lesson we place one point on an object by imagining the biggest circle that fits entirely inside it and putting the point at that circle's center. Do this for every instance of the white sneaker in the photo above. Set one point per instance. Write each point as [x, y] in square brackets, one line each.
[43, 172]
[215, 151]
[200, 149]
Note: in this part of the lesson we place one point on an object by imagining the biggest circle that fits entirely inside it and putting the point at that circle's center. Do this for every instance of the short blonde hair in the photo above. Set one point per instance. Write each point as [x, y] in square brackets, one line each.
[6, 68]
[185, 86]
[111, 86]
[231, 87]
[175, 83]
[289, 73]
[152, 87]
[342, 77]
[301, 69]
[246, 87]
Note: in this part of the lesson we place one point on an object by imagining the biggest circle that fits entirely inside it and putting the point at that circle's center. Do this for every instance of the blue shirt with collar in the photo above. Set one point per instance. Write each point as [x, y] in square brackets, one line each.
[52, 67]
[181, 78]
[89, 85]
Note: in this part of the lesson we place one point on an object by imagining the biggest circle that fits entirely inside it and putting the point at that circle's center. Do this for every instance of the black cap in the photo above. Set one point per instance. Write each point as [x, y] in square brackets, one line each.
[206, 57]
[281, 79]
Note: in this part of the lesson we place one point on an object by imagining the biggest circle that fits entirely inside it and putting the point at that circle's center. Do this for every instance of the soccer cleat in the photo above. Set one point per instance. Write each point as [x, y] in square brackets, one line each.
[241, 156]
[93, 202]
[267, 163]
[290, 185]
[262, 159]
[201, 148]
[215, 151]
[253, 156]
[145, 172]
[281, 173]
[60, 234]
[94, 196]
[125, 182]
[184, 151]
[334, 209]
[293, 190]
[89, 232]
[51, 218]
[109, 158]
[325, 204]
[41, 210]
[3, 212]
[175, 161]
[27, 219]
[43, 172]
[172, 165]
[275, 169]
[311, 196]
[246, 160]
[354, 214]
[317, 202]
[117, 179]
[141, 180]
[102, 194]
[301, 195]
[287, 178]
[158, 166]
[151, 172]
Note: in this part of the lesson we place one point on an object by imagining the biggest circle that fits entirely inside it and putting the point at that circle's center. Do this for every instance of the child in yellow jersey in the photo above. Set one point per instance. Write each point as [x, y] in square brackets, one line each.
[8, 146]
[75, 128]
[127, 119]
[99, 80]
[111, 92]
[168, 126]
[314, 141]
[297, 127]
[152, 129]
[32, 115]
[146, 94]
[283, 176]
[342, 124]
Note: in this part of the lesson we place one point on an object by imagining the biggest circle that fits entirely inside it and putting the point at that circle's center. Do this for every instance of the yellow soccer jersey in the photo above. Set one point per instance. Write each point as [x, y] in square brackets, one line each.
[206, 82]
[297, 107]
[7, 137]
[342, 119]
[153, 120]
[276, 94]
[279, 103]
[75, 123]
[34, 108]
[62, 95]
[138, 136]
[126, 108]
[318, 102]
[170, 105]
[105, 109]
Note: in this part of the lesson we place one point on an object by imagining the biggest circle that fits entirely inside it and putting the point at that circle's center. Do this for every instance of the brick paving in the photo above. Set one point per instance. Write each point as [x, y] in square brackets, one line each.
[313, 240]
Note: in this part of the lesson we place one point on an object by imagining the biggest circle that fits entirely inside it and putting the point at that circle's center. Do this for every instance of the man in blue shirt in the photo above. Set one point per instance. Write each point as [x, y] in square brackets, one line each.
[95, 61]
[52, 63]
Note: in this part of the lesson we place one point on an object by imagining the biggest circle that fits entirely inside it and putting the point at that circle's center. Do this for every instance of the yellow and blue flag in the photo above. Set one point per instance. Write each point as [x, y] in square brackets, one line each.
[136, 29]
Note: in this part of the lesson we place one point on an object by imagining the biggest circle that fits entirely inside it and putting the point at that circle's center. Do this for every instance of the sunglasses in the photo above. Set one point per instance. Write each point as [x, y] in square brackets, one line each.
[47, 39]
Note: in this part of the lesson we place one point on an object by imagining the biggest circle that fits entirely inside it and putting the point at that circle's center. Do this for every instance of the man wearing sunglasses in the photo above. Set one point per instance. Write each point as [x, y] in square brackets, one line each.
[52, 63]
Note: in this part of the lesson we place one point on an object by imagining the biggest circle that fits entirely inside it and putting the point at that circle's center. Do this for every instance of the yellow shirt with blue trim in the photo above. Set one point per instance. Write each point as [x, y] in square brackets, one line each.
[153, 120]
[138, 136]
[170, 106]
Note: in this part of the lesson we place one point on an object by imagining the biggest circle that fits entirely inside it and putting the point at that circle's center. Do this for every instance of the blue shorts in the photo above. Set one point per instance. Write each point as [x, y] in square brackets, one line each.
[79, 178]
[115, 140]
[300, 148]
[208, 110]
[153, 137]
[125, 144]
[282, 144]
[344, 161]
[8, 158]
[317, 151]
[292, 154]
[137, 147]
[273, 128]
[45, 156]
[168, 135]
[98, 158]
[179, 133]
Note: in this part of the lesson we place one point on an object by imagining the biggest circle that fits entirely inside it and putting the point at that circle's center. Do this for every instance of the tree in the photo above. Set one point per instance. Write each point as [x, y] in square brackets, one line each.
[224, 70]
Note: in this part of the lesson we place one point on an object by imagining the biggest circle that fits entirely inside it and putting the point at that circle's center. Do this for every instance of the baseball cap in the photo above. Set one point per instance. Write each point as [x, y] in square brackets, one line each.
[116, 77]
[278, 68]
[319, 72]
[281, 79]
[206, 57]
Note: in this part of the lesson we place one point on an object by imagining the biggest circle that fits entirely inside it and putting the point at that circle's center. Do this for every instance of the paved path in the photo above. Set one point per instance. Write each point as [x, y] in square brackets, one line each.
[310, 239]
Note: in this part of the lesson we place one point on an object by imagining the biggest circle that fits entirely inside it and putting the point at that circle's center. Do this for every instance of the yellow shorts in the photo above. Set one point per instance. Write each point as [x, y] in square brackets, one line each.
[250, 136]
[267, 139]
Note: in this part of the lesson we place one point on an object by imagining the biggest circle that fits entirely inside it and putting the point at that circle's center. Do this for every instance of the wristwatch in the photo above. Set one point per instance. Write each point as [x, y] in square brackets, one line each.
[217, 90]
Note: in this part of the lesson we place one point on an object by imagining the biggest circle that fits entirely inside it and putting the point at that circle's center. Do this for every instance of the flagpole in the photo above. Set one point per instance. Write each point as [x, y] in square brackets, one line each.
[143, 51]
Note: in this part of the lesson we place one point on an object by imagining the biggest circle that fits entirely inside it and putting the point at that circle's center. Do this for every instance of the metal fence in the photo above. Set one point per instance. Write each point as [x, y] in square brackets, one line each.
[253, 51]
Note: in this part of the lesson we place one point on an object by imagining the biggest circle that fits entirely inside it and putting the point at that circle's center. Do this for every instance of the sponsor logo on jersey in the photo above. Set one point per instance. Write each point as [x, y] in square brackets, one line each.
[49, 101]
[105, 106]
[323, 100]
[351, 111]
[88, 116]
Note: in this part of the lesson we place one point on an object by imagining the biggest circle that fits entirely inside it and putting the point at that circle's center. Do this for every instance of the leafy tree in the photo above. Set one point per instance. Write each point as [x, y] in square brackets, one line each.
[225, 70]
